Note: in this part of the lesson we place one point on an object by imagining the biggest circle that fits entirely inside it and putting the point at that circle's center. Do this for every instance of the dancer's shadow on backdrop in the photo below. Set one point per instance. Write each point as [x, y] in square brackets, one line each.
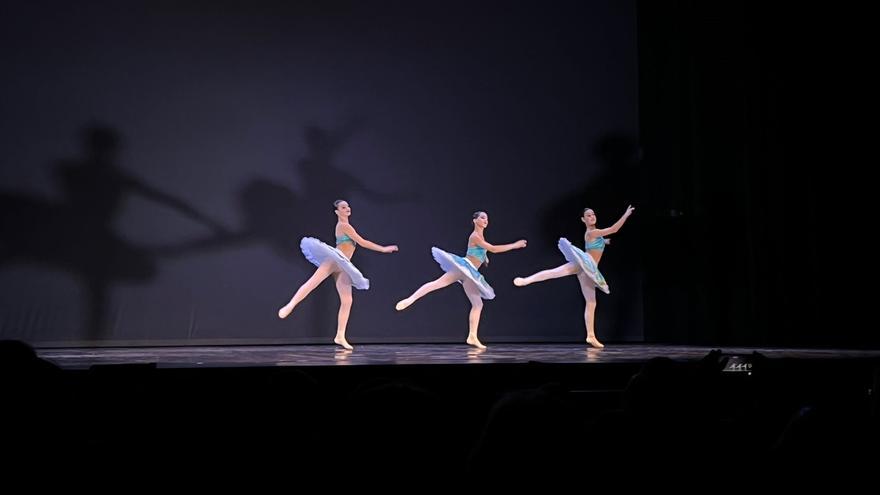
[77, 234]
[275, 214]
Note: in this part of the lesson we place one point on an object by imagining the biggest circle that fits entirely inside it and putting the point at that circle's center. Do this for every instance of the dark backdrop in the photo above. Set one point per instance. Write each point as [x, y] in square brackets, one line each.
[161, 161]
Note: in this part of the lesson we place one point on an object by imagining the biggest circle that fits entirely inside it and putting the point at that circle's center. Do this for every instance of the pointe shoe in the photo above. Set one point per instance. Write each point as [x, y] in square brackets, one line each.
[343, 343]
[284, 312]
[475, 342]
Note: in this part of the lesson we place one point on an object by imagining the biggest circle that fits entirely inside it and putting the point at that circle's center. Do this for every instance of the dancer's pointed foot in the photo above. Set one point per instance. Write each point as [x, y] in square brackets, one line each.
[344, 343]
[402, 304]
[593, 341]
[285, 311]
[474, 341]
[520, 282]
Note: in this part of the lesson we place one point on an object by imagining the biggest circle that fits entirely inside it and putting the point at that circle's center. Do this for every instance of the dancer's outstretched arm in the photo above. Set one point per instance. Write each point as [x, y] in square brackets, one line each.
[614, 228]
[501, 248]
[349, 230]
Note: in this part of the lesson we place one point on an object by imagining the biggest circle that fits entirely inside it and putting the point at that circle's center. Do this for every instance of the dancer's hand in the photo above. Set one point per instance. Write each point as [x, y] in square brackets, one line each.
[389, 249]
[607, 241]
[629, 210]
[519, 244]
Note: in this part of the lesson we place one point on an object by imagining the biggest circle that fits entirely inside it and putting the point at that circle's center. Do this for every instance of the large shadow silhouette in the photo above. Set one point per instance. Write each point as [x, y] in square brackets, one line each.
[325, 182]
[277, 215]
[77, 234]
[614, 187]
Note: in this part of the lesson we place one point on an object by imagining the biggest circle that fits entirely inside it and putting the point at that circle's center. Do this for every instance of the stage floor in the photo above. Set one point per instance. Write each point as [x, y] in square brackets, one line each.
[408, 354]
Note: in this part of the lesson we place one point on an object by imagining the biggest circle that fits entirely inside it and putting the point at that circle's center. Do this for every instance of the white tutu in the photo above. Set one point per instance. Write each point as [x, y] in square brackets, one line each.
[317, 252]
[585, 262]
[451, 263]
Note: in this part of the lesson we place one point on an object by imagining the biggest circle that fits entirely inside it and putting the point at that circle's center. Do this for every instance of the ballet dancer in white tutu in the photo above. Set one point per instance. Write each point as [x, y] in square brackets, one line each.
[337, 262]
[584, 264]
[465, 270]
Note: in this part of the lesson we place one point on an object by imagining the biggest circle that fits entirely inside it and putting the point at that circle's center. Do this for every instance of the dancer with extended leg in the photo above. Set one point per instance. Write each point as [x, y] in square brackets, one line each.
[466, 271]
[584, 264]
[336, 262]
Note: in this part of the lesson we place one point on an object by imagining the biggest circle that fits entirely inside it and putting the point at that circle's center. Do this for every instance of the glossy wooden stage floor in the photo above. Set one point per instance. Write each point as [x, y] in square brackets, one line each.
[408, 354]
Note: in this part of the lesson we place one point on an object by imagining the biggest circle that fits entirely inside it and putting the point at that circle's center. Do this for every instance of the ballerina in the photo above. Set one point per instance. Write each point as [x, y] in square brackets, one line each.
[337, 262]
[466, 271]
[585, 265]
